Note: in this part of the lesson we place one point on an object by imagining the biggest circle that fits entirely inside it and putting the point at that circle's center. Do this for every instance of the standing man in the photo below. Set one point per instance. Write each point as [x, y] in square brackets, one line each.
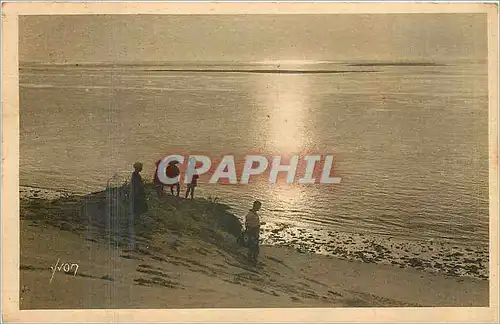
[139, 204]
[252, 225]
[138, 200]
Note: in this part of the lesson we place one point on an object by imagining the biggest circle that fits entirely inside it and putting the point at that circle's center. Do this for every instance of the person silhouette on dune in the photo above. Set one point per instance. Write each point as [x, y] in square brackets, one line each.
[194, 179]
[159, 186]
[252, 225]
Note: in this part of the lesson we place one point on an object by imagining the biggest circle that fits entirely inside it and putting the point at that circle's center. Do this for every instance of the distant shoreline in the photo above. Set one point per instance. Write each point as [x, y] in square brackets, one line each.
[254, 71]
[236, 67]
[255, 64]
[399, 64]
[263, 71]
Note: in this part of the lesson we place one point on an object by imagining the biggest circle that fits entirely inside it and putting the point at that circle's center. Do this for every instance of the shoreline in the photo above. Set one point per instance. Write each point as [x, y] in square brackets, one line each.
[185, 255]
[432, 257]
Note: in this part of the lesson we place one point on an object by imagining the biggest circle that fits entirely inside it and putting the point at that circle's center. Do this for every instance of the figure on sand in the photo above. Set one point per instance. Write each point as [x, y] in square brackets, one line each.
[252, 231]
[138, 201]
[138, 193]
[159, 186]
[193, 182]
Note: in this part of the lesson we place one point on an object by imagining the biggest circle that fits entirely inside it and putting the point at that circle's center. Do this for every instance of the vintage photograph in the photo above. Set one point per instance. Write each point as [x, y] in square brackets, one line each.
[176, 161]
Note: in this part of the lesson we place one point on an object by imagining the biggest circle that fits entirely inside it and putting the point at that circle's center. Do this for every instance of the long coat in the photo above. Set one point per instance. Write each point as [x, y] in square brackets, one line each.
[139, 204]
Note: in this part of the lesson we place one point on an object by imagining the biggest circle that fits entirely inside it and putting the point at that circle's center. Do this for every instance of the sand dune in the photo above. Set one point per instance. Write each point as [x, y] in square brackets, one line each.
[186, 256]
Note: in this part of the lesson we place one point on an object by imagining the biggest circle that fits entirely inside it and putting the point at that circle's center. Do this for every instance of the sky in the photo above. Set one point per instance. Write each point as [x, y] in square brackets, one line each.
[251, 38]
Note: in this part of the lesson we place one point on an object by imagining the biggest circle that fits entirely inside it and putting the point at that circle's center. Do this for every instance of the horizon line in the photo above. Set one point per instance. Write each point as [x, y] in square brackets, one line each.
[265, 62]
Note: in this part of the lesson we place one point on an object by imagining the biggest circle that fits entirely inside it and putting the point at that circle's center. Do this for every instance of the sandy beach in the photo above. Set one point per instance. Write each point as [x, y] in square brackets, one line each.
[186, 256]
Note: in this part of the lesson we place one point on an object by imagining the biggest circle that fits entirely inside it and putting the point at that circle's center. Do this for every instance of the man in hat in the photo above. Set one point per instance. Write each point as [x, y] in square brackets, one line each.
[172, 171]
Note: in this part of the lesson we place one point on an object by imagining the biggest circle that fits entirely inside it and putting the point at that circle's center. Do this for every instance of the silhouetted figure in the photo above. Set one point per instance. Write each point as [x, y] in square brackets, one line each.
[252, 225]
[139, 204]
[173, 171]
[159, 186]
[192, 185]
[138, 200]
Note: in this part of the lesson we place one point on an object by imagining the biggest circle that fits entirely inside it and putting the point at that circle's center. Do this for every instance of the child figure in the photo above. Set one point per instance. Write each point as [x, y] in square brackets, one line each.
[192, 185]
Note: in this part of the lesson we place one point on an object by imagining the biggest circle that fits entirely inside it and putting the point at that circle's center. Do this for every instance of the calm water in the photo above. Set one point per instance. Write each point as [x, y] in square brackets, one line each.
[410, 142]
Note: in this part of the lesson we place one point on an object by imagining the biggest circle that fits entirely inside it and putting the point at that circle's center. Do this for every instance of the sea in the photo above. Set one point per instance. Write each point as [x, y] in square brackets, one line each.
[409, 140]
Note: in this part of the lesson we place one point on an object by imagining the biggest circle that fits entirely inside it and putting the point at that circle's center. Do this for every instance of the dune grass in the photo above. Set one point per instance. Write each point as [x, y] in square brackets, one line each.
[107, 213]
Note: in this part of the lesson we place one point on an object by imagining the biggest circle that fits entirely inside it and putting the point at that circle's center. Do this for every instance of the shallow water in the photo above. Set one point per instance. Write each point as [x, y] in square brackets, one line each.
[410, 142]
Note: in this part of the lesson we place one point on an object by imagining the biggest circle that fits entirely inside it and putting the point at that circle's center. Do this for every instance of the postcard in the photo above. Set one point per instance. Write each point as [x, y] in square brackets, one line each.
[250, 162]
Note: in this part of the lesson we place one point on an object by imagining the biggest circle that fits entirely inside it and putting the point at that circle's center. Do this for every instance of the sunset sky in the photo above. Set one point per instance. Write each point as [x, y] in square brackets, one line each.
[133, 38]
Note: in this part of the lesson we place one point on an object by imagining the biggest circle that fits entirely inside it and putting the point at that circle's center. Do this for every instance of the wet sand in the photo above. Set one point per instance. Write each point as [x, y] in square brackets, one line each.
[431, 256]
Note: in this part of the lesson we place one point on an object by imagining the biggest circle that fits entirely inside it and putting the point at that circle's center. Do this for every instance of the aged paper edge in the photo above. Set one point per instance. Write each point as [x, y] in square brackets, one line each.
[10, 169]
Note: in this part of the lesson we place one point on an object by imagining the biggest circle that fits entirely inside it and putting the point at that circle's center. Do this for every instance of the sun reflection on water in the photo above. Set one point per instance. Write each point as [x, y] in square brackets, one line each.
[284, 100]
